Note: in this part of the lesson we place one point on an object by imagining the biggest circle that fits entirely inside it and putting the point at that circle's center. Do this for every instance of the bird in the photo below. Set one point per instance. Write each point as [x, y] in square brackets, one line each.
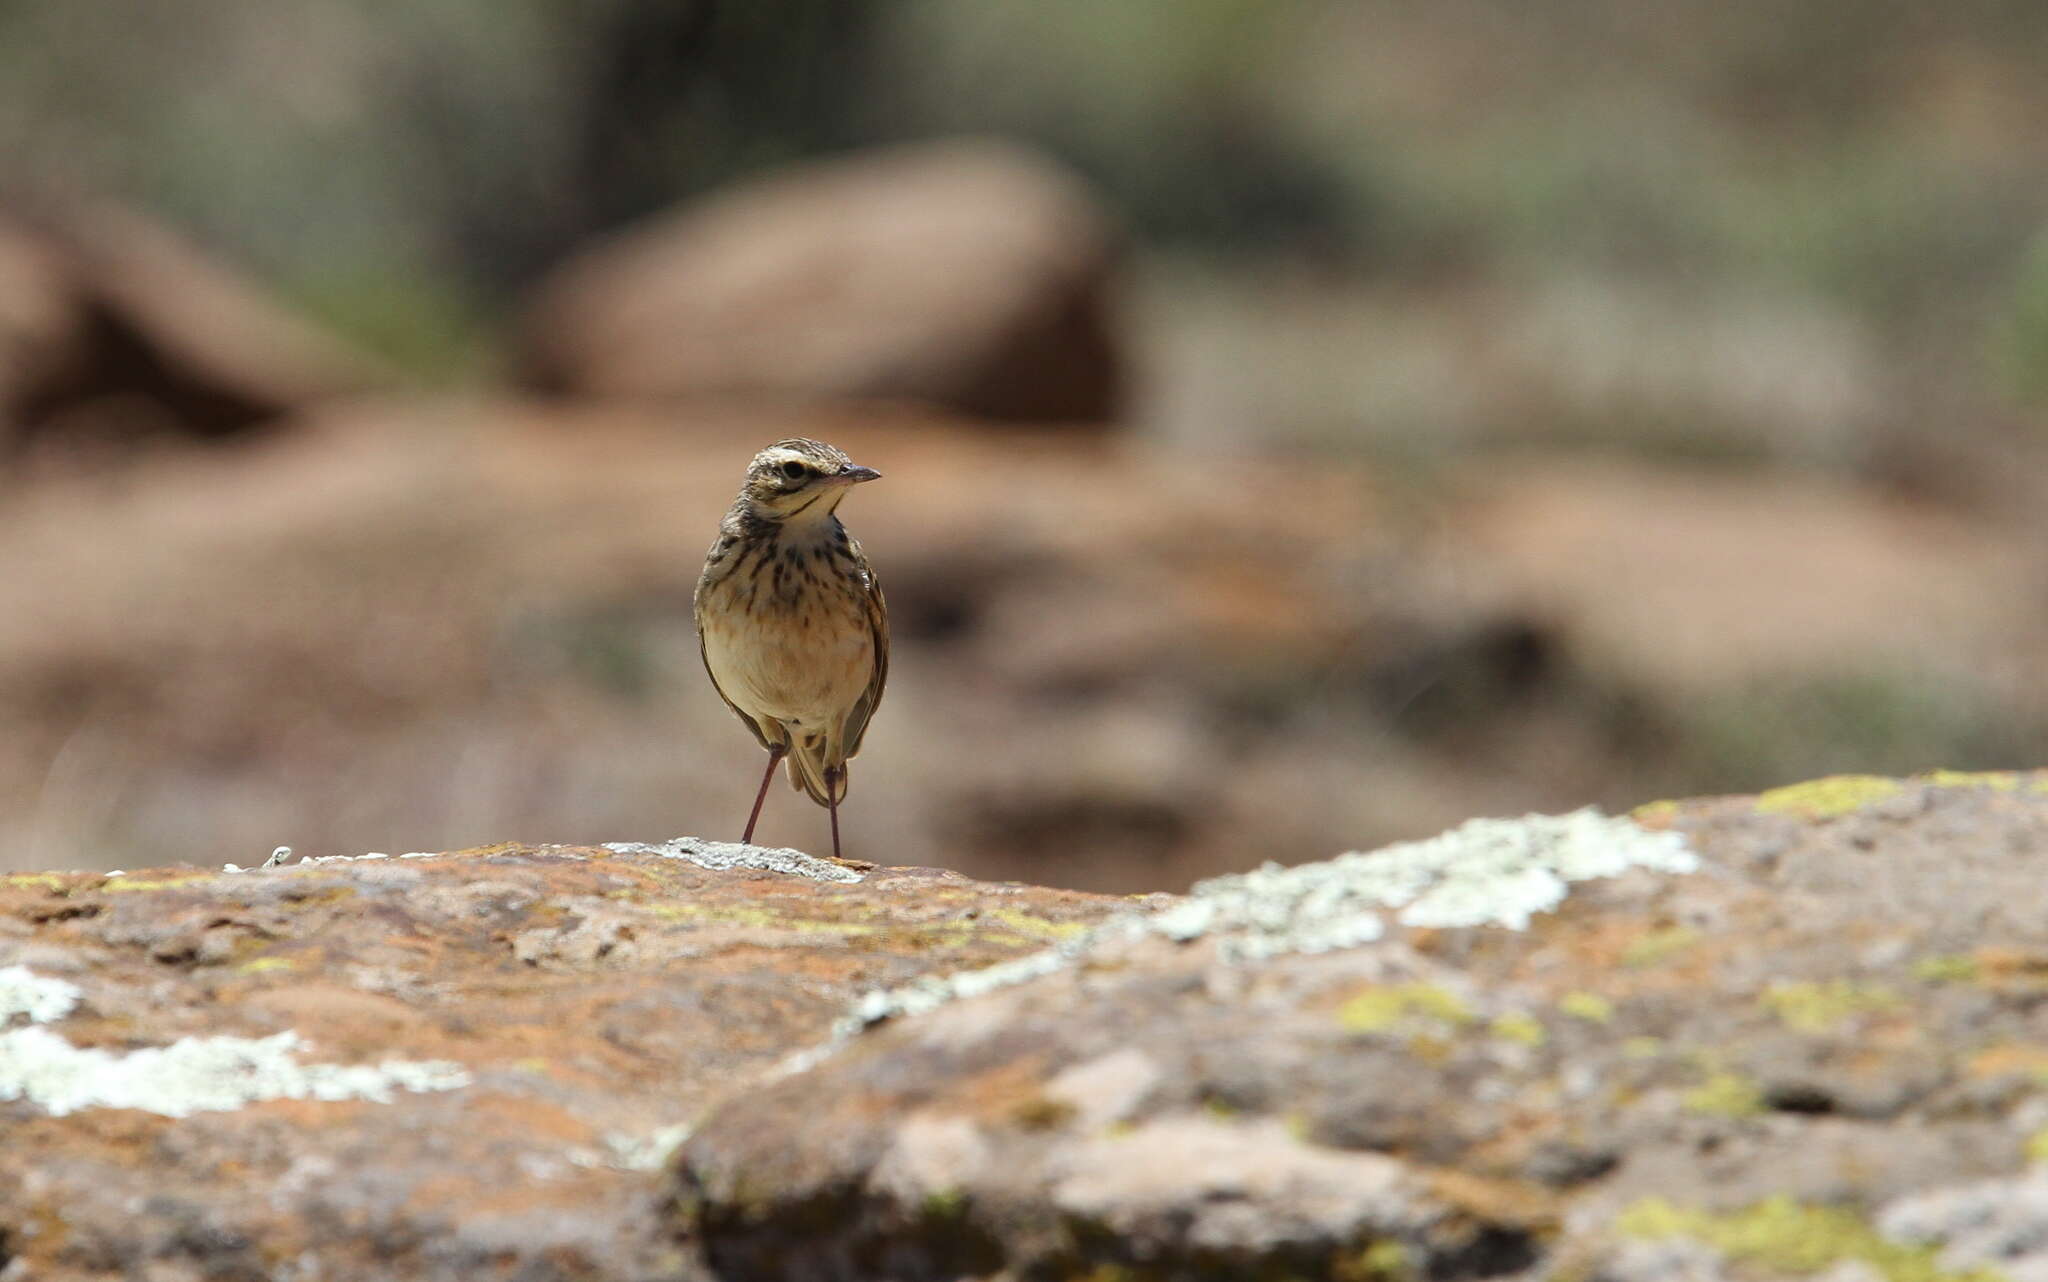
[791, 623]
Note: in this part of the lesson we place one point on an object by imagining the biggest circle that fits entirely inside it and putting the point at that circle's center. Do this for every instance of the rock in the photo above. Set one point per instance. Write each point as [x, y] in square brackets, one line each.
[1527, 1048]
[1684, 581]
[114, 327]
[42, 323]
[970, 275]
[1370, 1067]
[464, 1066]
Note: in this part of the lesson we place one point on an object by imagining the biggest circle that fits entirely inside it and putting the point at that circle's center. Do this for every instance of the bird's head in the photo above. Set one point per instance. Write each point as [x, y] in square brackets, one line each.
[800, 480]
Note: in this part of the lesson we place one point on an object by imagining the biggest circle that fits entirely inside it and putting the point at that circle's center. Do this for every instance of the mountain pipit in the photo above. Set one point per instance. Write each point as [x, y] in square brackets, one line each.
[791, 620]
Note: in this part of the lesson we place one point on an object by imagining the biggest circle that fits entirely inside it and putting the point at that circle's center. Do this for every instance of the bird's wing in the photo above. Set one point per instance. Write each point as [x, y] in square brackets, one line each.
[878, 629]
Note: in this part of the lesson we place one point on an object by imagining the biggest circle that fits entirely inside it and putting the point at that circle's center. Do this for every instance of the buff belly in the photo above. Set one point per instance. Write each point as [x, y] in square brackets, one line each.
[803, 666]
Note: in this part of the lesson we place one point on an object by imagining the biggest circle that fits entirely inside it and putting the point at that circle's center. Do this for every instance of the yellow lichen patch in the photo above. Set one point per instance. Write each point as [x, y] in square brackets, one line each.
[1035, 926]
[1947, 969]
[33, 881]
[1725, 1094]
[1659, 945]
[311, 894]
[1591, 1007]
[123, 883]
[945, 1204]
[1384, 1261]
[2037, 1146]
[754, 918]
[1786, 1237]
[1996, 780]
[1829, 797]
[1642, 1047]
[261, 965]
[1815, 1008]
[1377, 1010]
[1655, 814]
[1519, 1026]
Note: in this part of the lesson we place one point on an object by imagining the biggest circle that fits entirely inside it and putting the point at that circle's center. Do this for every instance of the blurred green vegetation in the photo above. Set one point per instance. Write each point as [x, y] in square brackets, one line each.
[405, 169]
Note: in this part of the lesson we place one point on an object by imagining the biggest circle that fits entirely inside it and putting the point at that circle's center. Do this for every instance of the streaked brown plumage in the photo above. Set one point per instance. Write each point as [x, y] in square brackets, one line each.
[791, 622]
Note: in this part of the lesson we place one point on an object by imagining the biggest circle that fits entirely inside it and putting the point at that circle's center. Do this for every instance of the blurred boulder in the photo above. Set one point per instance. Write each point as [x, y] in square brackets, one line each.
[42, 325]
[965, 274]
[1684, 582]
[113, 327]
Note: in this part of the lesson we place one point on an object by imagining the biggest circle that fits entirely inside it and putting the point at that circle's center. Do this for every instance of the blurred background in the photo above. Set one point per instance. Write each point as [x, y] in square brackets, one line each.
[1306, 424]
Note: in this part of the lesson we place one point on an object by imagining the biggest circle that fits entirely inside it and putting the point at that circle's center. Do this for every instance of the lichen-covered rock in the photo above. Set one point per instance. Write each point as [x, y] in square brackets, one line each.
[457, 1066]
[1755, 1037]
[1789, 1036]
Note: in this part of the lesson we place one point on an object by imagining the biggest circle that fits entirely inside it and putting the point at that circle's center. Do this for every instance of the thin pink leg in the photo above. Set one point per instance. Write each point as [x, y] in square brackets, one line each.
[774, 759]
[832, 791]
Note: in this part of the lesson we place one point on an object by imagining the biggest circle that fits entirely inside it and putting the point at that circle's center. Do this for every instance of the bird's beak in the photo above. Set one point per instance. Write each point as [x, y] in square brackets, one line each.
[855, 475]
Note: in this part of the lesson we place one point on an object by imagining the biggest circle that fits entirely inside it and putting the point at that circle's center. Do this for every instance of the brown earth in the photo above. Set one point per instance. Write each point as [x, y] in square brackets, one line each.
[1769, 1037]
[419, 625]
[414, 625]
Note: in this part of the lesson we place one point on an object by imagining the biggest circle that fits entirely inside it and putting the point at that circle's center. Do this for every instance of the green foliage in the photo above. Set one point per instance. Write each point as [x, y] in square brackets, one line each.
[2020, 341]
[1879, 723]
[423, 325]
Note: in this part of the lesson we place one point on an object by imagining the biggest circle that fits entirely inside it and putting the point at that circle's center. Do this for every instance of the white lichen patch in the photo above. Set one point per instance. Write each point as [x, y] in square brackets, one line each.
[282, 853]
[719, 856]
[39, 998]
[1486, 872]
[1984, 1225]
[650, 1152]
[197, 1075]
[929, 992]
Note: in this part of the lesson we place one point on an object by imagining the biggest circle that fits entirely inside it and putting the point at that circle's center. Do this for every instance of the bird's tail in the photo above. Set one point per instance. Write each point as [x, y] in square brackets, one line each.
[808, 758]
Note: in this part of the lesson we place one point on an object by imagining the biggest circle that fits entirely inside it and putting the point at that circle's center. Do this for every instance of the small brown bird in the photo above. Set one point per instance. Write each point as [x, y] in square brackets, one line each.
[791, 622]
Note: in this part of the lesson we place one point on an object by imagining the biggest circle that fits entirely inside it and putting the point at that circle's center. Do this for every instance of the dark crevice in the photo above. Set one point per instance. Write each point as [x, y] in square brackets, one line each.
[1800, 1097]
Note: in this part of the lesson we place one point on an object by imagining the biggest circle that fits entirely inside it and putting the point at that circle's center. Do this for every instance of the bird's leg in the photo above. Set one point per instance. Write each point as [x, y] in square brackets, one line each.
[832, 777]
[774, 759]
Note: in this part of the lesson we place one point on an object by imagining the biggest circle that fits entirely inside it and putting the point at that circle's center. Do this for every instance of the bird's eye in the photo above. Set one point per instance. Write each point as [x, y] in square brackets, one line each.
[795, 471]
